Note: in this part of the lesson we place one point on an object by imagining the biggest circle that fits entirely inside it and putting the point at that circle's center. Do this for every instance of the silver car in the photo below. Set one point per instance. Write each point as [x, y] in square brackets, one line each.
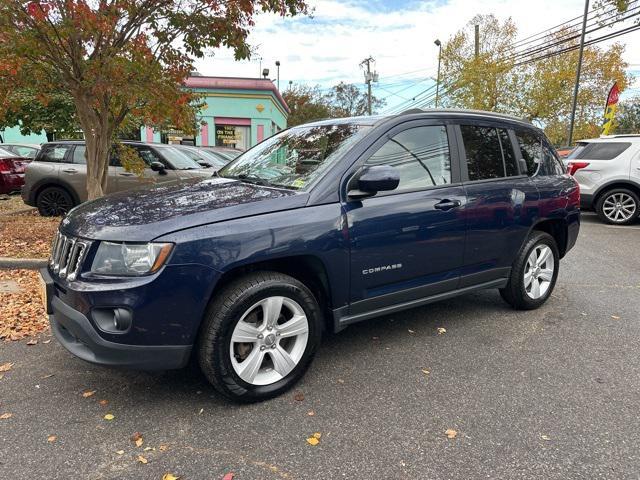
[55, 181]
[608, 171]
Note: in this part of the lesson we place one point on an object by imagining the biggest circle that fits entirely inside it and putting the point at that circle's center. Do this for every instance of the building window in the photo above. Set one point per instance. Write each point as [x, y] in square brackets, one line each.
[233, 136]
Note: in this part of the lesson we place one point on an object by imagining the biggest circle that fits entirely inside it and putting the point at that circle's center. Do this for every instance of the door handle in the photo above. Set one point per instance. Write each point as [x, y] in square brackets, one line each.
[70, 170]
[447, 204]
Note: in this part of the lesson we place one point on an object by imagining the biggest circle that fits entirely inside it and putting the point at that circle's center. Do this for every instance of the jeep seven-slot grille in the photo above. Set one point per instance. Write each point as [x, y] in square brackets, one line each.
[67, 255]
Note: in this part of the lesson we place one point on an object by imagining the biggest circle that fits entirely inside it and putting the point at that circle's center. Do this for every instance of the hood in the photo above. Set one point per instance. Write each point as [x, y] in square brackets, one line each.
[142, 214]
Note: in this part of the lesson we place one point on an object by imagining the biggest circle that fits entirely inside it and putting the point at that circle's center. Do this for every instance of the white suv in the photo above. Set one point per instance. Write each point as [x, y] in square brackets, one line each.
[608, 171]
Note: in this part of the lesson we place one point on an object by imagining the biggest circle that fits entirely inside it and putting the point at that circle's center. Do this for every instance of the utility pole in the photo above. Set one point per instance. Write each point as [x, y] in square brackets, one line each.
[477, 40]
[369, 77]
[278, 77]
[578, 70]
[439, 45]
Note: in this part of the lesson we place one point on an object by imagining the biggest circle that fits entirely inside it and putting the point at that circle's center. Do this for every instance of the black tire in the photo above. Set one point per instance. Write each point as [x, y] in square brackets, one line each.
[515, 293]
[223, 314]
[610, 195]
[54, 202]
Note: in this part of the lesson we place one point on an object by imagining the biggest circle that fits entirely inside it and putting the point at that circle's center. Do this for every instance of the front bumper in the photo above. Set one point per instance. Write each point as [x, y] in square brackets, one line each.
[76, 333]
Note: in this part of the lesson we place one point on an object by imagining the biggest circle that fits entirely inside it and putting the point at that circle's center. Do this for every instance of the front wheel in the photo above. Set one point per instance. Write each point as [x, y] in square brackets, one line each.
[259, 336]
[534, 273]
[54, 202]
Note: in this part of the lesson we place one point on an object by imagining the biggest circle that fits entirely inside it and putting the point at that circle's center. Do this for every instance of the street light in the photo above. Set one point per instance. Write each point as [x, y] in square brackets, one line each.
[278, 77]
[439, 45]
[265, 72]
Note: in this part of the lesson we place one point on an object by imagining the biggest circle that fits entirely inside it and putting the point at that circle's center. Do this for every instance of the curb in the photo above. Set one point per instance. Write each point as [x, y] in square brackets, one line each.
[8, 263]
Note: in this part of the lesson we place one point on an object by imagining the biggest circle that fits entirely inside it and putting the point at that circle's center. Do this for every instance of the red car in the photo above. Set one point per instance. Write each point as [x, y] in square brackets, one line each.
[12, 169]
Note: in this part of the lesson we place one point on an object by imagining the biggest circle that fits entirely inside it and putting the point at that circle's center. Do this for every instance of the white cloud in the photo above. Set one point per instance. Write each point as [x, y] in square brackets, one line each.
[329, 47]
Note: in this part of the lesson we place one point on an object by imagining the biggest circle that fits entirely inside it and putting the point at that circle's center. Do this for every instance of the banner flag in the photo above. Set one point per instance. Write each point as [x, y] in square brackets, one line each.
[610, 109]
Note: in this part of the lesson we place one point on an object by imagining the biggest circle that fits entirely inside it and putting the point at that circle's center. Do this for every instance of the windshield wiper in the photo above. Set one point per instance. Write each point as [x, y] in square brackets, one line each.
[252, 179]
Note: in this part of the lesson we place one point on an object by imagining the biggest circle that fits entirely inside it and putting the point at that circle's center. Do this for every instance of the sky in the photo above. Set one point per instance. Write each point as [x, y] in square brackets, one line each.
[328, 47]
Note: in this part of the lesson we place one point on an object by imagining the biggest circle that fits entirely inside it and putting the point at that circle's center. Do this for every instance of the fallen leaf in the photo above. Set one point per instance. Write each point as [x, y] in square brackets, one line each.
[451, 433]
[411, 331]
[441, 330]
[5, 416]
[104, 402]
[299, 397]
[142, 460]
[148, 449]
[200, 412]
[170, 476]
[51, 438]
[137, 439]
[425, 371]
[120, 452]
[5, 367]
[545, 438]
[375, 338]
[317, 435]
[228, 476]
[162, 448]
[139, 442]
[109, 417]
[313, 441]
[47, 341]
[311, 413]
[340, 380]
[33, 341]
[88, 393]
[48, 376]
[615, 317]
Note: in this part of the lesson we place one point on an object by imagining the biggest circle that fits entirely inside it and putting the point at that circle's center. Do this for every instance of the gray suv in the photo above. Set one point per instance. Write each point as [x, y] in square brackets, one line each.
[55, 181]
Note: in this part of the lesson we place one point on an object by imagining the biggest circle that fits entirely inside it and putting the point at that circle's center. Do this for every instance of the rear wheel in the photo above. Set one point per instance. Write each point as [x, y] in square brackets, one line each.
[533, 274]
[54, 202]
[259, 336]
[618, 207]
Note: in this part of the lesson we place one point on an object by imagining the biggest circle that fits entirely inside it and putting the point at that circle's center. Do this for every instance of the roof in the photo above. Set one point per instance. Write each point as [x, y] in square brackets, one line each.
[16, 144]
[236, 83]
[612, 138]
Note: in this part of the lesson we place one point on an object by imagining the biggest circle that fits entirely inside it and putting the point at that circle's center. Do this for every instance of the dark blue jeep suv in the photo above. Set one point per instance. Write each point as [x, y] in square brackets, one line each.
[315, 228]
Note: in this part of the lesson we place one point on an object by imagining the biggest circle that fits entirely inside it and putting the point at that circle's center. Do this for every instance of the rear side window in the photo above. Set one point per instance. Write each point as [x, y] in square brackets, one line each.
[420, 155]
[79, 155]
[540, 158]
[601, 151]
[54, 153]
[489, 152]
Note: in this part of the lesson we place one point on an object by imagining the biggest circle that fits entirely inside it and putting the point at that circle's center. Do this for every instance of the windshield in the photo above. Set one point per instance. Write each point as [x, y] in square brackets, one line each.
[204, 156]
[295, 157]
[6, 154]
[178, 159]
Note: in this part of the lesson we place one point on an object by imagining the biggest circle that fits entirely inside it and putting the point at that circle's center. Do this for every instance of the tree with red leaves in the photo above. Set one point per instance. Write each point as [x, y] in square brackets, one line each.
[119, 59]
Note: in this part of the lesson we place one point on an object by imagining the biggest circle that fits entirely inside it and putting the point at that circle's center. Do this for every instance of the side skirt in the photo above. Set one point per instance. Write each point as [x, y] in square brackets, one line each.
[342, 318]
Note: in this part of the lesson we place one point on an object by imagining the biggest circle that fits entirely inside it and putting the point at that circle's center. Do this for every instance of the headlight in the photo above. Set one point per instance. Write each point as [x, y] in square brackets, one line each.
[130, 258]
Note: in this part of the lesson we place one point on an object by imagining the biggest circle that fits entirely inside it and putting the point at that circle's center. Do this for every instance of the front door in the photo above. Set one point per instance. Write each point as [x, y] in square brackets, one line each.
[408, 244]
[126, 180]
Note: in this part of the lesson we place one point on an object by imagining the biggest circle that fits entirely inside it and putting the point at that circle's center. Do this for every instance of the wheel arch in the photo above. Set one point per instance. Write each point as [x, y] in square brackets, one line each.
[308, 269]
[558, 229]
[40, 186]
[607, 187]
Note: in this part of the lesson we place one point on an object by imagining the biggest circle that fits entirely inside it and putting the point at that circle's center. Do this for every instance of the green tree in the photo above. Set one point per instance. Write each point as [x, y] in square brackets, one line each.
[117, 58]
[306, 104]
[628, 116]
[55, 114]
[347, 100]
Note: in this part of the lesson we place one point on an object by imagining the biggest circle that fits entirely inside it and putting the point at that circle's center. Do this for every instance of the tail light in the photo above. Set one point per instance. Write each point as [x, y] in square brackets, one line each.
[573, 167]
[12, 165]
[6, 166]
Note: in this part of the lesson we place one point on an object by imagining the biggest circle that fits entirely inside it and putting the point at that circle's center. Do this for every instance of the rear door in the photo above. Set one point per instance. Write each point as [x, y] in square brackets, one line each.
[501, 201]
[408, 243]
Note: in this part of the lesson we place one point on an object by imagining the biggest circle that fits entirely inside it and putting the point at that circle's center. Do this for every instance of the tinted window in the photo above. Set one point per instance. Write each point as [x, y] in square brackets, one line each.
[53, 153]
[79, 155]
[484, 153]
[551, 162]
[601, 151]
[531, 150]
[510, 163]
[421, 156]
[148, 155]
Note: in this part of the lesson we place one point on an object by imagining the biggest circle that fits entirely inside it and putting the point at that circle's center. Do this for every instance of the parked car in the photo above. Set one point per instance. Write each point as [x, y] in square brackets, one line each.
[371, 216]
[608, 171]
[205, 158]
[12, 168]
[225, 152]
[24, 150]
[563, 152]
[55, 181]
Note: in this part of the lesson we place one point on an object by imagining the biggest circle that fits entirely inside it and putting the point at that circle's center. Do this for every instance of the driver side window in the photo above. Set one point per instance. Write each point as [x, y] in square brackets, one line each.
[420, 155]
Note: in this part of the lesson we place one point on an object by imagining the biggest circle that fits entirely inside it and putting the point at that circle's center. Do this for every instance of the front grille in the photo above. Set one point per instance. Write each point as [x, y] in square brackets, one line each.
[67, 255]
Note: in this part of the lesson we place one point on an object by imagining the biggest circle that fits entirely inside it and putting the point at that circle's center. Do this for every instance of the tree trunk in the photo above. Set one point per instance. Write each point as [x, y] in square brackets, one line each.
[97, 133]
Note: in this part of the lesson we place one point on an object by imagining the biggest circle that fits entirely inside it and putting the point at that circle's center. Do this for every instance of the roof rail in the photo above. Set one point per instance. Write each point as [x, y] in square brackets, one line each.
[465, 111]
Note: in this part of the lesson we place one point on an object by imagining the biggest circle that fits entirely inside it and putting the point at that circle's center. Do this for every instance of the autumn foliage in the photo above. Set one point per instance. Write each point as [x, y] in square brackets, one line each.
[119, 60]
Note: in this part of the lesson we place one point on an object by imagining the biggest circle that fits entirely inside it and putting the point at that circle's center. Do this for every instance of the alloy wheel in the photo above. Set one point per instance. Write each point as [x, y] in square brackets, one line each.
[54, 203]
[538, 273]
[619, 207]
[269, 340]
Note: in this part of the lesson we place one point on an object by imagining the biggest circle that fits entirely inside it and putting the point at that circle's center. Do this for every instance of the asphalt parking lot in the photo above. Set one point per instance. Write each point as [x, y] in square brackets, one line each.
[553, 393]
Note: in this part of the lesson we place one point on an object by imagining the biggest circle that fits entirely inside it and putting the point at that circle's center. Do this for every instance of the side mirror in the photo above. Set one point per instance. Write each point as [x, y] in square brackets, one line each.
[204, 164]
[523, 165]
[158, 167]
[374, 179]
